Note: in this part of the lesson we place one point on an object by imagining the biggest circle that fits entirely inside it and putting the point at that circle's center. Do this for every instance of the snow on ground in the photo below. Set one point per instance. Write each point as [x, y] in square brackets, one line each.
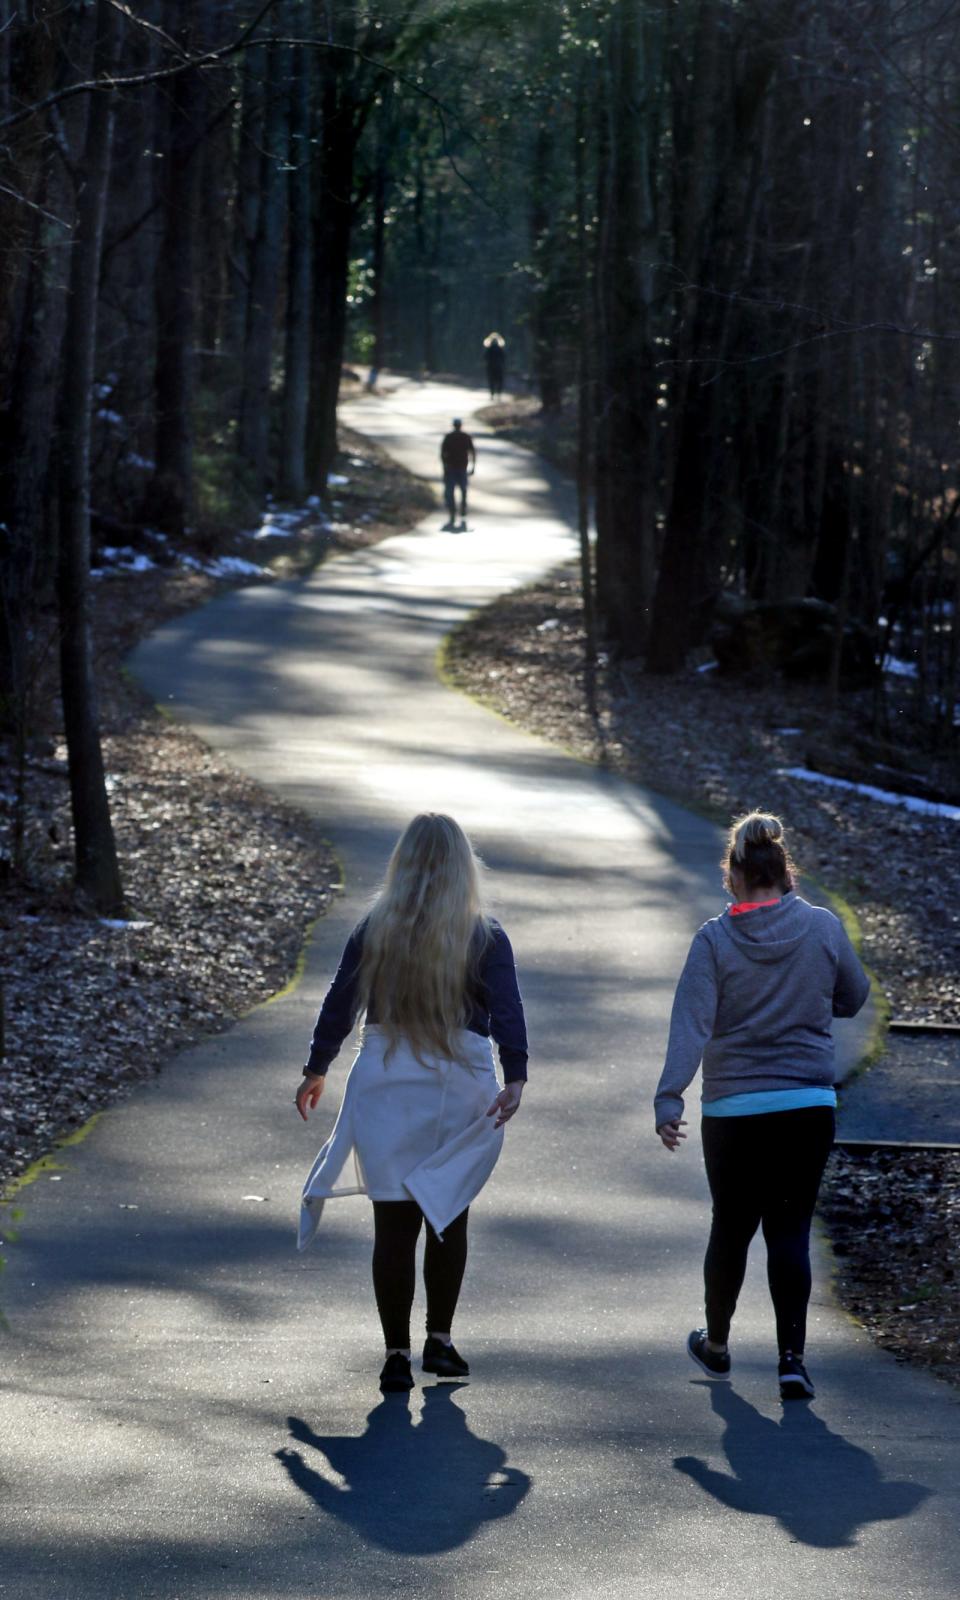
[909, 802]
[898, 668]
[121, 558]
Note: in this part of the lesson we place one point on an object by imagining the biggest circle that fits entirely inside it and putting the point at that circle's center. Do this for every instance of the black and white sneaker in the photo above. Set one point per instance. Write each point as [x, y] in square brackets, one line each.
[443, 1360]
[794, 1379]
[712, 1362]
[397, 1376]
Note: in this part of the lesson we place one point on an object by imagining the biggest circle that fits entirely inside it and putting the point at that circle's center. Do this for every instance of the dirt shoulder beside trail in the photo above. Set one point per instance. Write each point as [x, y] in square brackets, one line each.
[722, 747]
[221, 880]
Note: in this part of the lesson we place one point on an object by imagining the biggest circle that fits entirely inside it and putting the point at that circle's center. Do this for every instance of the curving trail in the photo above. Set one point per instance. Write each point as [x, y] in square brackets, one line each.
[190, 1409]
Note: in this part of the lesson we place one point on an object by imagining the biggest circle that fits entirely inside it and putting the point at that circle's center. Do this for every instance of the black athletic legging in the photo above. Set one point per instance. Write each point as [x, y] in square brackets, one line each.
[397, 1225]
[764, 1171]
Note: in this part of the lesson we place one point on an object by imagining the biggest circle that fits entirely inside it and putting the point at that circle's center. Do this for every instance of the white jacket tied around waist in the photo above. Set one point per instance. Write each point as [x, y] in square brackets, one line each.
[409, 1131]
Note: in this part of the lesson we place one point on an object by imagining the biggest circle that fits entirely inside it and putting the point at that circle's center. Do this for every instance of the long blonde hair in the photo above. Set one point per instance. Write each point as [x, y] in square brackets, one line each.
[424, 938]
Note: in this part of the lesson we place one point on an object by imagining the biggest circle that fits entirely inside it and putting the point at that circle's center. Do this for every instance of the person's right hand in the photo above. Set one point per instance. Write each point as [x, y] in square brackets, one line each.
[308, 1094]
[669, 1133]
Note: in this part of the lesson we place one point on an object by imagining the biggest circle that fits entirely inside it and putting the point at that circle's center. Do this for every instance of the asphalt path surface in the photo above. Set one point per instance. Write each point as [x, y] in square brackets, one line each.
[190, 1408]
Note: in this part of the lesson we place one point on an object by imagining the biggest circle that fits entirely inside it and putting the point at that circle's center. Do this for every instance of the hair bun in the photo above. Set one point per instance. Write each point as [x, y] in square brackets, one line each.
[756, 830]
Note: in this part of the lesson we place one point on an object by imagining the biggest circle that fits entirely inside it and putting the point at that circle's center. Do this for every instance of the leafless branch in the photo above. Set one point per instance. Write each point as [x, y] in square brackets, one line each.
[203, 61]
[41, 210]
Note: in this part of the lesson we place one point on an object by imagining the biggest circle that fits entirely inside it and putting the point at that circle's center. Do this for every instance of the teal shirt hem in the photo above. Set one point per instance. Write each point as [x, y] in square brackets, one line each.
[759, 1102]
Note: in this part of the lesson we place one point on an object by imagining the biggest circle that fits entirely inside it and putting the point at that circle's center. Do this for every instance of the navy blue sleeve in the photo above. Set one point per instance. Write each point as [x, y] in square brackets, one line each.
[501, 994]
[339, 1010]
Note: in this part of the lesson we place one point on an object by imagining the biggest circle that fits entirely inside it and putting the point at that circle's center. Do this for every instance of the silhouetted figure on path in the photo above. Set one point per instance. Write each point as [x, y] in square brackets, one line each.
[459, 457]
[821, 1489]
[495, 355]
[414, 1486]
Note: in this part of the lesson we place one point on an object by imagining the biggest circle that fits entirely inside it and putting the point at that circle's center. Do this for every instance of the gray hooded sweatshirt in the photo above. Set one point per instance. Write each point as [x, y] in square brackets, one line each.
[755, 1002]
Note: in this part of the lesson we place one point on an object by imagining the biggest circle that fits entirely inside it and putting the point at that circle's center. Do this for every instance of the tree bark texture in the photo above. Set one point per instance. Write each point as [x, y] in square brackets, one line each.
[97, 869]
[296, 365]
[181, 113]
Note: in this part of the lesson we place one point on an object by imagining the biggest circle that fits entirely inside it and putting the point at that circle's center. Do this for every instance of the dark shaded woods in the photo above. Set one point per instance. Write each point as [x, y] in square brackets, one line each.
[726, 235]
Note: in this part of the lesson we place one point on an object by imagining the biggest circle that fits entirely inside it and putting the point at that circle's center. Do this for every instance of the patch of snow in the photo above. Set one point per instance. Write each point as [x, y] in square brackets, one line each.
[226, 566]
[336, 479]
[788, 733]
[708, 666]
[546, 627]
[899, 669]
[120, 922]
[113, 417]
[132, 459]
[356, 461]
[313, 502]
[278, 524]
[908, 802]
[122, 559]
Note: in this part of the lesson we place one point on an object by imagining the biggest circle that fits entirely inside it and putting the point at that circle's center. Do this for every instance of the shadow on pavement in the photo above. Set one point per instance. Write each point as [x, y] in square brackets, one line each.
[817, 1485]
[414, 1488]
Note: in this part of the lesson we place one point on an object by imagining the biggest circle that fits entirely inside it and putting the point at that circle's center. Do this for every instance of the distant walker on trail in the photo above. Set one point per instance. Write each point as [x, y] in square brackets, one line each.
[495, 356]
[459, 458]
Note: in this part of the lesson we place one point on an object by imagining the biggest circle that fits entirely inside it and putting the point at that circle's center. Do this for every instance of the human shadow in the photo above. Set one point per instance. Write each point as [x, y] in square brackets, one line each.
[821, 1488]
[414, 1488]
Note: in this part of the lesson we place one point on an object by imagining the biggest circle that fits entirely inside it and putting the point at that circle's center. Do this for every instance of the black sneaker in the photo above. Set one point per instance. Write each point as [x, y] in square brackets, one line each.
[794, 1379]
[443, 1360]
[396, 1377]
[711, 1362]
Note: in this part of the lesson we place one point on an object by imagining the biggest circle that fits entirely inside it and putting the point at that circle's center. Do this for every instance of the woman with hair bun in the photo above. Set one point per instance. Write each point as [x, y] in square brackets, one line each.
[755, 1003]
[422, 1112]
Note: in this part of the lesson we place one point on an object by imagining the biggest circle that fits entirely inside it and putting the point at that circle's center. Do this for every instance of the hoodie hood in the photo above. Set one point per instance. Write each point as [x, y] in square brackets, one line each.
[771, 932]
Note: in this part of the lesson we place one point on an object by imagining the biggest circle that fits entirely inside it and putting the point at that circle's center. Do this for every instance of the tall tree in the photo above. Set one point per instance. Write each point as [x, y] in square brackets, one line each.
[296, 363]
[97, 869]
[181, 106]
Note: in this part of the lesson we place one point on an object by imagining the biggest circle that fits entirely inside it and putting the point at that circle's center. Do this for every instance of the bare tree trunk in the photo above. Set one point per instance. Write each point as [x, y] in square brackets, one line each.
[626, 394]
[379, 253]
[171, 492]
[333, 224]
[296, 366]
[34, 252]
[254, 425]
[97, 869]
[583, 373]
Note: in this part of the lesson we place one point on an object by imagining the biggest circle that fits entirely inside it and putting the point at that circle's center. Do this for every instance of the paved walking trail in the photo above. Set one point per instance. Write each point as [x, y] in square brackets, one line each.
[190, 1409]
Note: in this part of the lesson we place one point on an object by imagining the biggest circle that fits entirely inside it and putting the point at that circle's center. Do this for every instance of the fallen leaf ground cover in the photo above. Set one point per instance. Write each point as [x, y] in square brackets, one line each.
[724, 746]
[221, 879]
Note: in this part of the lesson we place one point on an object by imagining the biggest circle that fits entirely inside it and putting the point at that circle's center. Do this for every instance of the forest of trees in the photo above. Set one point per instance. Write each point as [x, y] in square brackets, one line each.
[726, 234]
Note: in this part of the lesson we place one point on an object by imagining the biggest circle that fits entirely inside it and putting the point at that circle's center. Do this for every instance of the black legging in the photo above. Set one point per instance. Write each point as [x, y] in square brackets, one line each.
[764, 1171]
[397, 1226]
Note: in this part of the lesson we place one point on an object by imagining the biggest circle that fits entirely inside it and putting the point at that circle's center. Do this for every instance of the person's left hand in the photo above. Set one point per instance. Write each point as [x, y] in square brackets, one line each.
[506, 1103]
[308, 1094]
[669, 1133]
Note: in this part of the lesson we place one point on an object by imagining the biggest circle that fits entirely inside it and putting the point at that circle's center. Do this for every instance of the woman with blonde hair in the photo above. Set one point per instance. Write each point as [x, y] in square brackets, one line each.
[422, 1111]
[756, 998]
